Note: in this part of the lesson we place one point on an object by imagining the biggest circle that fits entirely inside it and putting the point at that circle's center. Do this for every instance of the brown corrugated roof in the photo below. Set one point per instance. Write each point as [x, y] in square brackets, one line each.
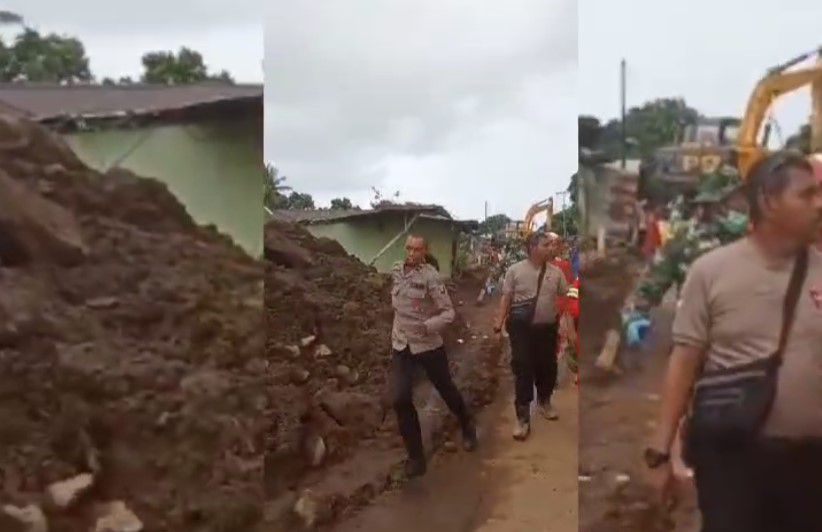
[320, 216]
[333, 215]
[44, 102]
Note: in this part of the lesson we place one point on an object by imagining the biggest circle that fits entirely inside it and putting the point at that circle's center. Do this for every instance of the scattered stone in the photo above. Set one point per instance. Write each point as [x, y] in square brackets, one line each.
[308, 340]
[101, 303]
[293, 350]
[299, 375]
[353, 378]
[343, 372]
[30, 517]
[322, 351]
[653, 397]
[622, 479]
[116, 517]
[449, 446]
[64, 493]
[37, 228]
[307, 509]
[460, 341]
[317, 451]
[584, 478]
[358, 412]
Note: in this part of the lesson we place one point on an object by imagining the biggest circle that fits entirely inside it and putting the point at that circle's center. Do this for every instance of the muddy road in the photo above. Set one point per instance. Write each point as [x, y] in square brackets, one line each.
[506, 486]
[618, 411]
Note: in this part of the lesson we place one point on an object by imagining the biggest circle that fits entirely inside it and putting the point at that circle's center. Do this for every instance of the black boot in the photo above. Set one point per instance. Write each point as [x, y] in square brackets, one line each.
[415, 467]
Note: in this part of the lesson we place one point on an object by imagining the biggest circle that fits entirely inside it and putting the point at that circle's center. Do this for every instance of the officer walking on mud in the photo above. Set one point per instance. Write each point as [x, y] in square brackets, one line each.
[529, 314]
[422, 311]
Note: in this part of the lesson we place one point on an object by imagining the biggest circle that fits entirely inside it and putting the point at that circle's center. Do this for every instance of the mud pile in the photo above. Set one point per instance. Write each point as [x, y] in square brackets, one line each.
[131, 350]
[329, 321]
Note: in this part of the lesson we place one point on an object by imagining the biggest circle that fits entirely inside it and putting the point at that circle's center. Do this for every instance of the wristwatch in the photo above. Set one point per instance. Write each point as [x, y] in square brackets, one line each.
[654, 458]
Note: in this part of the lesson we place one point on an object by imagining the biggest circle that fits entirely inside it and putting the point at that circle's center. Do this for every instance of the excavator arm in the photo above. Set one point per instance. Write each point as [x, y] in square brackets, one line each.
[776, 83]
[536, 208]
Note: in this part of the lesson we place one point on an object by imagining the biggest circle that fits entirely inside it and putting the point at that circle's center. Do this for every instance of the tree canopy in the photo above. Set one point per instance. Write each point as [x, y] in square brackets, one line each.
[47, 58]
[51, 58]
[184, 67]
[494, 224]
[648, 127]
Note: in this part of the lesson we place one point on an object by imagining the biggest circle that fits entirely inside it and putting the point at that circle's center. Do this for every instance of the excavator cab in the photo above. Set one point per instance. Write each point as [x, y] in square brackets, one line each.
[711, 132]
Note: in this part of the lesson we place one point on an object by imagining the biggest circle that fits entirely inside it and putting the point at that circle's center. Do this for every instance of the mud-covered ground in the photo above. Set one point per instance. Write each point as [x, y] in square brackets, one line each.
[617, 413]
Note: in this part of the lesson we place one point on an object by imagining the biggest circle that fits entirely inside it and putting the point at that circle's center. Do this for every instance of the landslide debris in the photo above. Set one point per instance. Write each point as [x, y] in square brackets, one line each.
[131, 352]
[329, 323]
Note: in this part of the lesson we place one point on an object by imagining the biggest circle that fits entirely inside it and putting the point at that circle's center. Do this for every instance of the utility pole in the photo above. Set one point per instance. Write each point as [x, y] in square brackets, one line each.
[486, 211]
[622, 103]
[562, 194]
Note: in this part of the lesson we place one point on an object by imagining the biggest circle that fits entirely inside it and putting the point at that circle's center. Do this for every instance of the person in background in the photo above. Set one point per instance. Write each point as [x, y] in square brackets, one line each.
[731, 316]
[422, 311]
[528, 313]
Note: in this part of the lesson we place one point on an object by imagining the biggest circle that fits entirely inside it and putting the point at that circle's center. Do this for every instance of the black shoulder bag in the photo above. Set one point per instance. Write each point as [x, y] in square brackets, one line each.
[522, 312]
[731, 405]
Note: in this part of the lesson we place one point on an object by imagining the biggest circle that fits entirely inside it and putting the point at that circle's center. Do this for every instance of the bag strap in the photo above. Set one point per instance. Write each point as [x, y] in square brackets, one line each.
[540, 278]
[800, 271]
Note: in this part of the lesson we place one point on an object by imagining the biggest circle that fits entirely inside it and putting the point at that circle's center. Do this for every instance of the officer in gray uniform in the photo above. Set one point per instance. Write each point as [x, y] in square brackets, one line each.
[422, 311]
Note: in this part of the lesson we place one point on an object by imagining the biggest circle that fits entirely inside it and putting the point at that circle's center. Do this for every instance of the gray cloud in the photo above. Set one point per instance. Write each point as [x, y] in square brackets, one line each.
[427, 97]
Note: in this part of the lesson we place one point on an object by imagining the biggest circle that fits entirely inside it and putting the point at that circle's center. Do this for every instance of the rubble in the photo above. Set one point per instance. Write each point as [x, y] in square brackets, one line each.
[118, 311]
[116, 517]
[64, 493]
[30, 518]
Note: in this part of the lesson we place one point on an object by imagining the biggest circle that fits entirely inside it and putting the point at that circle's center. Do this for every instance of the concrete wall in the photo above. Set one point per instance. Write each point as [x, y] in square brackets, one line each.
[364, 237]
[214, 169]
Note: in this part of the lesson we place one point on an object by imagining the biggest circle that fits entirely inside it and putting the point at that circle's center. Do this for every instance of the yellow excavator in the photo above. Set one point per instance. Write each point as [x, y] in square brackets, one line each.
[528, 225]
[709, 143]
[779, 81]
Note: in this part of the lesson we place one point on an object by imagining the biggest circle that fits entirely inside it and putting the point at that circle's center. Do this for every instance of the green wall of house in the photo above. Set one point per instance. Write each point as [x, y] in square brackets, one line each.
[364, 237]
[213, 168]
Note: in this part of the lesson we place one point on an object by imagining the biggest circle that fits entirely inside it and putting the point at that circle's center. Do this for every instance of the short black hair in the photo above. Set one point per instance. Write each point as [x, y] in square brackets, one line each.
[770, 177]
[533, 240]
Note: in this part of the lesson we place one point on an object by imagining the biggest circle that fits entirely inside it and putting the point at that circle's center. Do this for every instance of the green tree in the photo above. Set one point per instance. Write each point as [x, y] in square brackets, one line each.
[565, 222]
[274, 188]
[341, 204]
[493, 224]
[184, 67]
[298, 201]
[651, 126]
[48, 58]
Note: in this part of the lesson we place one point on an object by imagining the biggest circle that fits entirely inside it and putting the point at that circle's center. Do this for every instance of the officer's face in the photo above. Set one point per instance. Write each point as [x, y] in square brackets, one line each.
[798, 210]
[415, 249]
[542, 249]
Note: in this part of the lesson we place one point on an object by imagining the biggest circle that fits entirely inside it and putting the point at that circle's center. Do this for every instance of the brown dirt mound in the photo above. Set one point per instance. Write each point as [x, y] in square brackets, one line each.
[315, 289]
[140, 359]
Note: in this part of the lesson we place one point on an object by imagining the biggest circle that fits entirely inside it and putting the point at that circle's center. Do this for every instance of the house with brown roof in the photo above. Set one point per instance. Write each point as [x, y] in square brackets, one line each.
[377, 236]
[204, 141]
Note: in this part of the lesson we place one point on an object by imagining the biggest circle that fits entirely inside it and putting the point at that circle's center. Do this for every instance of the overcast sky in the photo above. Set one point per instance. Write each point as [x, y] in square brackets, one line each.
[443, 101]
[711, 53]
[117, 34]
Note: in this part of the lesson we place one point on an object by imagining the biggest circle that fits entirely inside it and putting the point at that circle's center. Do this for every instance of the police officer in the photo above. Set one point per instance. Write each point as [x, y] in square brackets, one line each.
[422, 311]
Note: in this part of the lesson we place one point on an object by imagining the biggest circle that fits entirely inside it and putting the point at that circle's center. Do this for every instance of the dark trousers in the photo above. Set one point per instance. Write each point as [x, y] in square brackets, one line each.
[534, 363]
[770, 487]
[435, 365]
